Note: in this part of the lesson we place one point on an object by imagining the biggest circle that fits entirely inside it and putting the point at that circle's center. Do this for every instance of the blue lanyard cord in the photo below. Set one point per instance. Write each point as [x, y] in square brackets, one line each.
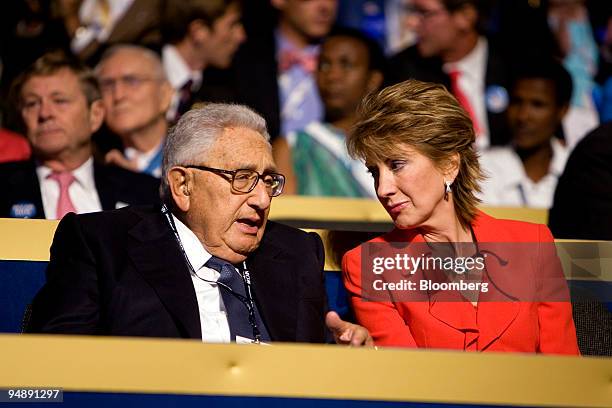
[246, 278]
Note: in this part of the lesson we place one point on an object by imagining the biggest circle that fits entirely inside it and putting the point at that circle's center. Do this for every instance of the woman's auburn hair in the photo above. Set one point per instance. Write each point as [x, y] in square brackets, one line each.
[428, 118]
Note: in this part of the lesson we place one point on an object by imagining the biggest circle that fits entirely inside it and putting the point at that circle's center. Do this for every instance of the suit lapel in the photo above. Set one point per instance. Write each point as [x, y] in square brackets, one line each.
[105, 190]
[105, 193]
[275, 290]
[499, 307]
[496, 310]
[138, 19]
[157, 257]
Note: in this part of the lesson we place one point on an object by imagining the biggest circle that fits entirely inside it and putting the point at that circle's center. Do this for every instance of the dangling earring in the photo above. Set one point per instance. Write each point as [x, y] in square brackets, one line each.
[447, 189]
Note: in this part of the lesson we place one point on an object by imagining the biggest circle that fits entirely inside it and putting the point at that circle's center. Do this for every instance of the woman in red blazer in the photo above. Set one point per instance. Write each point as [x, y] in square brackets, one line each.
[418, 144]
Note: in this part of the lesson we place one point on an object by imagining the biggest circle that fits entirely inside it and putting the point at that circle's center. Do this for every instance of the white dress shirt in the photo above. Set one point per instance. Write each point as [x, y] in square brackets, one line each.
[507, 184]
[143, 159]
[178, 73]
[82, 191]
[213, 318]
[473, 68]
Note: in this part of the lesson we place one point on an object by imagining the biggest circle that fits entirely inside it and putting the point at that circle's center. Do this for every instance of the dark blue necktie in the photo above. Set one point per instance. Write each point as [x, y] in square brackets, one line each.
[237, 310]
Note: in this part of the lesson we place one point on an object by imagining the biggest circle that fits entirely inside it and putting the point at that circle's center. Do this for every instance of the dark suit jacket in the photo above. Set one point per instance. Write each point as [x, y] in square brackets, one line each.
[582, 207]
[122, 273]
[19, 185]
[408, 64]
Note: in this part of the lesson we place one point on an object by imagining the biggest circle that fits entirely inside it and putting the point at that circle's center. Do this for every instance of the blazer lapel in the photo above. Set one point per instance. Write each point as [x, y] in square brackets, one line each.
[506, 277]
[274, 286]
[105, 191]
[157, 257]
[455, 312]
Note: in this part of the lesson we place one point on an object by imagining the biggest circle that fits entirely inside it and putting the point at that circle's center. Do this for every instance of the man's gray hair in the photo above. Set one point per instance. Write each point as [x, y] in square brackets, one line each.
[190, 139]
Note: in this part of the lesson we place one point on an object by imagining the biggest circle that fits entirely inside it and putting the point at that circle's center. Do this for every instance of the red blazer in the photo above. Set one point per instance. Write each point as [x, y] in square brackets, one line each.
[544, 325]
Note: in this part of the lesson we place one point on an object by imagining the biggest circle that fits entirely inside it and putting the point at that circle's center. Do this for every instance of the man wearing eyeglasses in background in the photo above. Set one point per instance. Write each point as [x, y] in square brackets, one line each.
[207, 265]
[136, 96]
[452, 49]
[58, 99]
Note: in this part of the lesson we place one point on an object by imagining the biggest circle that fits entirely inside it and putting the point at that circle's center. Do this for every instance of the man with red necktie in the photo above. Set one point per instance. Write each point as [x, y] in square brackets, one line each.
[452, 49]
[60, 106]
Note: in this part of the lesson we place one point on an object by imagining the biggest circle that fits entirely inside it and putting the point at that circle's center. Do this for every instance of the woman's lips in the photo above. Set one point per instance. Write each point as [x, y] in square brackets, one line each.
[395, 209]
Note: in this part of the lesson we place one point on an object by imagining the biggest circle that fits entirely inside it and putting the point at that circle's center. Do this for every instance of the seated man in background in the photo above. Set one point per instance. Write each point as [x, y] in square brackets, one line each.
[136, 96]
[525, 174]
[59, 102]
[207, 265]
[315, 159]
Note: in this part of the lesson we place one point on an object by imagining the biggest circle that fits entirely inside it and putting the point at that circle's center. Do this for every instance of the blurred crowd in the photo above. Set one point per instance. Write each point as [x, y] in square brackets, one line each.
[535, 76]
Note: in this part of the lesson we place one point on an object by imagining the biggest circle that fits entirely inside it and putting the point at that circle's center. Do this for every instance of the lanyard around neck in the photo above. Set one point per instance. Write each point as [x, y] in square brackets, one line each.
[245, 275]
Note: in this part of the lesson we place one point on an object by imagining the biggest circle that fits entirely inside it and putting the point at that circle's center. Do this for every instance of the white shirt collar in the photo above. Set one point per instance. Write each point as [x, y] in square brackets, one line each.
[518, 175]
[474, 63]
[195, 251]
[143, 158]
[177, 70]
[560, 156]
[83, 174]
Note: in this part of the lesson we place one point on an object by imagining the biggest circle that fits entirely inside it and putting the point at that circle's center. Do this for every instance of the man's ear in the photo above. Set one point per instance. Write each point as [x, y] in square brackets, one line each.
[278, 4]
[96, 115]
[198, 31]
[466, 17]
[166, 93]
[375, 81]
[561, 112]
[180, 181]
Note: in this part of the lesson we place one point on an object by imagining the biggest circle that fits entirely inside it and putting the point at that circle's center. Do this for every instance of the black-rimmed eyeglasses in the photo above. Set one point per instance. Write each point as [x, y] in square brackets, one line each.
[245, 180]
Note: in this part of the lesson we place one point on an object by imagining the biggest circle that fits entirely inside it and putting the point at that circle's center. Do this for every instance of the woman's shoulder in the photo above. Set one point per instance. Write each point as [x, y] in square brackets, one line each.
[490, 229]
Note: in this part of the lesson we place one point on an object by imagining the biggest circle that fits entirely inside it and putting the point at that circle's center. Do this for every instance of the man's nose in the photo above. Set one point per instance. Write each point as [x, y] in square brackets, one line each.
[523, 113]
[259, 197]
[46, 110]
[240, 34]
[335, 73]
[118, 89]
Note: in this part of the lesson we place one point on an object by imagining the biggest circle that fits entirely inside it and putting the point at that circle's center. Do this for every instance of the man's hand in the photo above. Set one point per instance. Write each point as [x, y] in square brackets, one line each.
[116, 157]
[347, 333]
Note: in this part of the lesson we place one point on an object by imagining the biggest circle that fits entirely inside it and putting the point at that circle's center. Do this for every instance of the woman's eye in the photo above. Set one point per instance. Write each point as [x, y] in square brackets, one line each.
[397, 164]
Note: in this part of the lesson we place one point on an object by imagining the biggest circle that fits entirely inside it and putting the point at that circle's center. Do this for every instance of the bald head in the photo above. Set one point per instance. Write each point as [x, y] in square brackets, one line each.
[135, 91]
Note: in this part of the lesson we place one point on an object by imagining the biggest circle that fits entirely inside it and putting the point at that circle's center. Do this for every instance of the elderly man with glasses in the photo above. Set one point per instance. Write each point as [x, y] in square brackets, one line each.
[208, 264]
[136, 96]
